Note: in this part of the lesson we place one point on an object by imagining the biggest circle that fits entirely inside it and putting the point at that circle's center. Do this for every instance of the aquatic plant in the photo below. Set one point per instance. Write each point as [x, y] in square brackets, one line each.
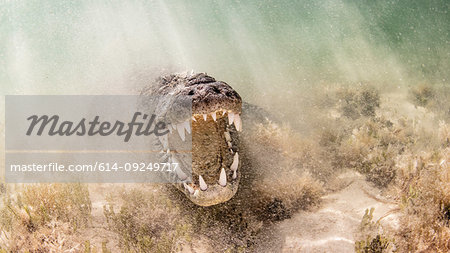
[279, 198]
[424, 192]
[358, 101]
[300, 154]
[422, 94]
[147, 222]
[92, 249]
[372, 148]
[42, 217]
[370, 237]
[433, 97]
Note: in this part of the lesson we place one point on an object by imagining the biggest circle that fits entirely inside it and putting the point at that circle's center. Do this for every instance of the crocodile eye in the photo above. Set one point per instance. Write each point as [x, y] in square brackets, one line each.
[216, 90]
[191, 92]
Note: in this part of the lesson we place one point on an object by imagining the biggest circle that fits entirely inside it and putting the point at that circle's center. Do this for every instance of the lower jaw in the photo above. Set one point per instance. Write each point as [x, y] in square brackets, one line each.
[214, 195]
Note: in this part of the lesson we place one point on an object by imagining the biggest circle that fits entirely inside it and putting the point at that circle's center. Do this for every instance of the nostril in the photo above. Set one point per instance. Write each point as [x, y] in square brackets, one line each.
[229, 94]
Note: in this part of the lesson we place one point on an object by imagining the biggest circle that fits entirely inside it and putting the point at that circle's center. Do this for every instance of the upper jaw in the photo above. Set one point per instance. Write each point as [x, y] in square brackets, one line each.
[183, 127]
[211, 103]
[209, 95]
[233, 117]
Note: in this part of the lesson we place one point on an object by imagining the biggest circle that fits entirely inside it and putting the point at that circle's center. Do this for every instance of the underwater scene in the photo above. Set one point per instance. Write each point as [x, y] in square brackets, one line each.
[312, 126]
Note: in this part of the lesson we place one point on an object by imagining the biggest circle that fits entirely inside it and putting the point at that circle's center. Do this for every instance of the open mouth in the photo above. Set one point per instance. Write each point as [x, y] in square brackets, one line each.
[213, 123]
[215, 156]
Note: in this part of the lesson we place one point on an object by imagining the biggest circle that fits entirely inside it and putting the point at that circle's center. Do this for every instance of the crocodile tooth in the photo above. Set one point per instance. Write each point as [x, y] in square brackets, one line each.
[180, 128]
[196, 193]
[223, 178]
[223, 112]
[181, 175]
[234, 175]
[227, 136]
[189, 188]
[229, 144]
[187, 126]
[193, 118]
[230, 118]
[235, 163]
[169, 126]
[204, 116]
[237, 122]
[213, 115]
[203, 185]
[164, 141]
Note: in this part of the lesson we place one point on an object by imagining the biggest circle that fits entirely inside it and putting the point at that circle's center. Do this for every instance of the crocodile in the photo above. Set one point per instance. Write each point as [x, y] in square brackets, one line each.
[214, 124]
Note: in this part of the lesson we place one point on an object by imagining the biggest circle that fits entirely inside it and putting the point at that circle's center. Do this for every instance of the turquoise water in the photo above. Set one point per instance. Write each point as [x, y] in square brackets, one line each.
[260, 47]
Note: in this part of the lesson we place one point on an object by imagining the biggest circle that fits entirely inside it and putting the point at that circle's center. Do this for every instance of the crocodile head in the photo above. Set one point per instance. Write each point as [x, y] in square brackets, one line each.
[215, 123]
